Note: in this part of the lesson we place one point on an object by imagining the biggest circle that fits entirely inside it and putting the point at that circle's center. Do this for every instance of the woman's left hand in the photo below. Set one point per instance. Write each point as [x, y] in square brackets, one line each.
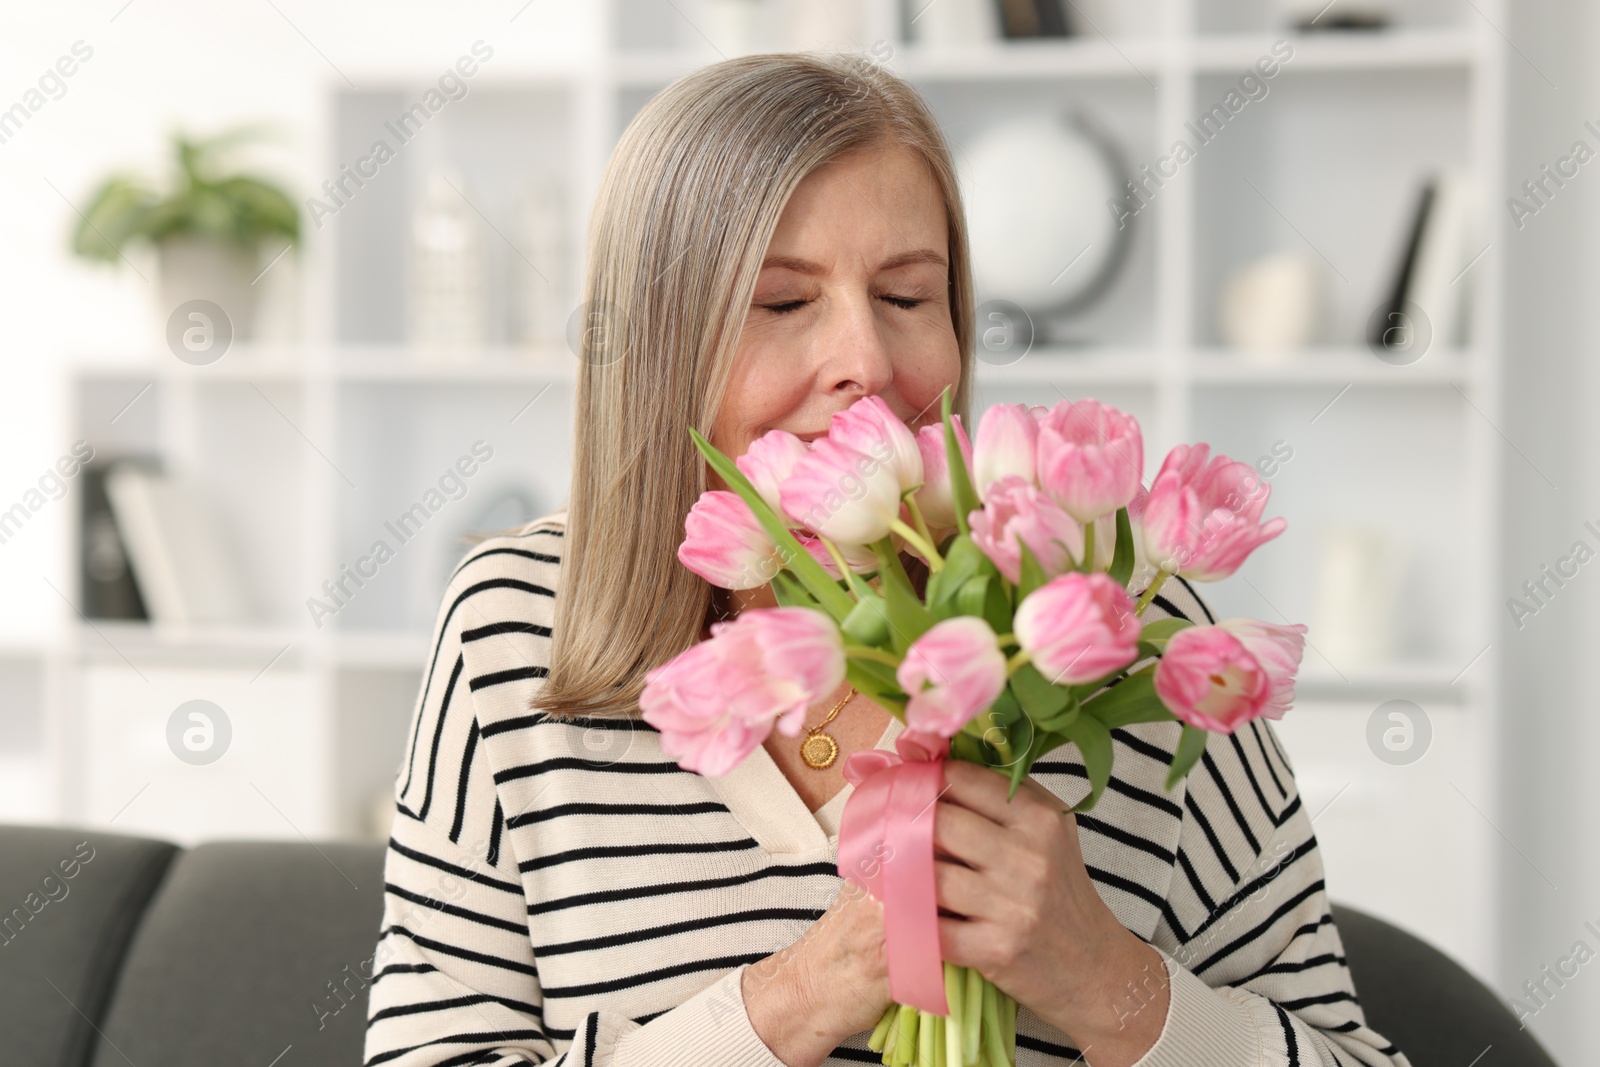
[1030, 919]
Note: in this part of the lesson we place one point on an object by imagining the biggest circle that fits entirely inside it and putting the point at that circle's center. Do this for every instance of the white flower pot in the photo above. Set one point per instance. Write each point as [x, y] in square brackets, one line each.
[194, 268]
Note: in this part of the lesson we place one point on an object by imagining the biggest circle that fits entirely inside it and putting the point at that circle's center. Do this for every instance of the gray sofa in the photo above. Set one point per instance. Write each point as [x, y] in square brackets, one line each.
[118, 950]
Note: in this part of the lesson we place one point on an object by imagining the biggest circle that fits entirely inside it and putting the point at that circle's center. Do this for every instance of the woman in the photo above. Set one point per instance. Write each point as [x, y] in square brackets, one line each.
[776, 237]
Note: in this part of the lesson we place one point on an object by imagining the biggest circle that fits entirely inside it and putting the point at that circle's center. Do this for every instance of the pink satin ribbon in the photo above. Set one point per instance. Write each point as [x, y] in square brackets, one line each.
[886, 848]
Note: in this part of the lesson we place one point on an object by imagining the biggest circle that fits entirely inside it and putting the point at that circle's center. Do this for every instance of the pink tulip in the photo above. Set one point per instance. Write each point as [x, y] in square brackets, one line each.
[1091, 458]
[934, 499]
[1203, 519]
[842, 494]
[1006, 444]
[720, 698]
[1078, 628]
[1017, 511]
[1208, 678]
[952, 673]
[725, 545]
[768, 461]
[870, 427]
[1278, 649]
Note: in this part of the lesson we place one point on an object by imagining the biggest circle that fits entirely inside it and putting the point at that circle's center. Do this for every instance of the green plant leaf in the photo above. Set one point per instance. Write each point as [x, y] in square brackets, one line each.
[908, 617]
[791, 594]
[962, 559]
[1191, 746]
[1038, 697]
[834, 600]
[877, 681]
[965, 498]
[1131, 700]
[997, 604]
[1094, 741]
[973, 594]
[1162, 630]
[1061, 719]
[868, 621]
[1031, 574]
[1122, 557]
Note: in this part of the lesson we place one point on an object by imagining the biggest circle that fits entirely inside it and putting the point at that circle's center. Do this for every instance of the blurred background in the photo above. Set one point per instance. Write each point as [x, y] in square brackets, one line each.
[288, 295]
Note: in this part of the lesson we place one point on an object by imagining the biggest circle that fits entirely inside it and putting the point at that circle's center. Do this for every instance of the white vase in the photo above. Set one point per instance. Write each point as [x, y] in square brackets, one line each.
[204, 268]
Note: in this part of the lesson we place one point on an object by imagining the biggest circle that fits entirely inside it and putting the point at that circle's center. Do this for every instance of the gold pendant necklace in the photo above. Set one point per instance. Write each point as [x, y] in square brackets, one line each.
[819, 749]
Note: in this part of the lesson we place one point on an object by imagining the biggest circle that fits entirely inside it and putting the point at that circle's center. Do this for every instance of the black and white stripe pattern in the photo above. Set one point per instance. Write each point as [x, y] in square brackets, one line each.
[563, 893]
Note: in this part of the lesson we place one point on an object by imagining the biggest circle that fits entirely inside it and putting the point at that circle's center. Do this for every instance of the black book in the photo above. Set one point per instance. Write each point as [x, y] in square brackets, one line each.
[1382, 327]
[108, 587]
[1032, 18]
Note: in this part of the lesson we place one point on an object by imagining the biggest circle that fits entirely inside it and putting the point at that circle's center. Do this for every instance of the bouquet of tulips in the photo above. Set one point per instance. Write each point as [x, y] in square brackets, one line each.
[1024, 639]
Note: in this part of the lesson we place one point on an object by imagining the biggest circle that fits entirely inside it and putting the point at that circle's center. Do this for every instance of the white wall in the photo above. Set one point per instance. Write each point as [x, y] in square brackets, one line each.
[1551, 791]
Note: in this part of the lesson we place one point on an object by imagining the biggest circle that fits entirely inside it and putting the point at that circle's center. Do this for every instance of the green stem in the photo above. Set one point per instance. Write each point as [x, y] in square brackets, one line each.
[845, 570]
[923, 545]
[1016, 660]
[1009, 1029]
[993, 1043]
[925, 1041]
[1005, 640]
[1088, 547]
[916, 517]
[905, 1052]
[952, 1020]
[1149, 593]
[868, 652]
[972, 1016]
[880, 1033]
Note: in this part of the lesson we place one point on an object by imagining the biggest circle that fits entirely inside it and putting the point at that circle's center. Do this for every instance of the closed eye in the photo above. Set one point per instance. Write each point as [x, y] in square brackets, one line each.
[903, 302]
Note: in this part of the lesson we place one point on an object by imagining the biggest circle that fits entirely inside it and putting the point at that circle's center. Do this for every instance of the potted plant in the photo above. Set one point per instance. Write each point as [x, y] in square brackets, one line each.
[208, 227]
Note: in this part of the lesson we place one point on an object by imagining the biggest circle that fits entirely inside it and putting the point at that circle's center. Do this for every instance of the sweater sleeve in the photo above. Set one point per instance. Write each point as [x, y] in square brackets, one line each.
[1255, 967]
[455, 978]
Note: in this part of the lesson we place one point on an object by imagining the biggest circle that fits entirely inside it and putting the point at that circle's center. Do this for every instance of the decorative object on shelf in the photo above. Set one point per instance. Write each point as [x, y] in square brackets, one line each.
[954, 23]
[446, 298]
[1360, 572]
[1116, 18]
[1273, 306]
[1025, 639]
[183, 559]
[1035, 189]
[726, 28]
[109, 589]
[1032, 18]
[1311, 16]
[1430, 297]
[825, 24]
[209, 229]
[541, 303]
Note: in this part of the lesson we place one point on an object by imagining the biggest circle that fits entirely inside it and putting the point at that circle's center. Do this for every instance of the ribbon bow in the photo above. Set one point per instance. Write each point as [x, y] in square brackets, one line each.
[886, 848]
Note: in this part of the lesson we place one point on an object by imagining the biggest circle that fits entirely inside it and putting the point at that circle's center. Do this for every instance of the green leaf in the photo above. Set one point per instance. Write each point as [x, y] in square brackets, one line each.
[1162, 630]
[973, 594]
[1191, 745]
[1131, 700]
[835, 601]
[868, 621]
[790, 593]
[1094, 742]
[908, 618]
[1038, 697]
[877, 681]
[962, 559]
[1061, 719]
[1122, 557]
[997, 605]
[961, 492]
[1031, 574]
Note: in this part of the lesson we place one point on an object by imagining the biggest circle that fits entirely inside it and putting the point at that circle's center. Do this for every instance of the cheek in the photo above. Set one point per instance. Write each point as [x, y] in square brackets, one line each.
[762, 392]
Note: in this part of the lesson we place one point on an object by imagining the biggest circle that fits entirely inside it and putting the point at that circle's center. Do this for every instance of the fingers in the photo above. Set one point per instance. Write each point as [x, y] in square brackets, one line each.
[963, 891]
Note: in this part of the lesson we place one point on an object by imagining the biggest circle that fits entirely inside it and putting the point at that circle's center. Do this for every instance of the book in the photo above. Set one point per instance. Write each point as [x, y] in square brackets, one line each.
[182, 557]
[106, 583]
[1431, 276]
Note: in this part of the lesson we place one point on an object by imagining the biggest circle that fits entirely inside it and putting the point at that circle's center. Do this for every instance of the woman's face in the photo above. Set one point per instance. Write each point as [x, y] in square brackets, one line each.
[852, 301]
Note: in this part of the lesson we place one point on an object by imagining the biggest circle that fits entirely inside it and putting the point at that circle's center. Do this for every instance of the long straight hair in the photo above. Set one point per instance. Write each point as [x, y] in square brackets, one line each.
[685, 211]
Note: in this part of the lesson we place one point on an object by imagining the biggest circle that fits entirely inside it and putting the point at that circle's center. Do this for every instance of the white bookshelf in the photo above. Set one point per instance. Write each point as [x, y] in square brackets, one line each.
[312, 446]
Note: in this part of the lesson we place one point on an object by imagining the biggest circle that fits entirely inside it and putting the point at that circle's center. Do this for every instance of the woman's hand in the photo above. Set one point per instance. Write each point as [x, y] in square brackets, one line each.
[833, 982]
[1028, 918]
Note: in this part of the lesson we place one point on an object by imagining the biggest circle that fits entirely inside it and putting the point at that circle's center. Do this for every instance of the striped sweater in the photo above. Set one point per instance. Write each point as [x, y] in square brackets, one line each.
[563, 893]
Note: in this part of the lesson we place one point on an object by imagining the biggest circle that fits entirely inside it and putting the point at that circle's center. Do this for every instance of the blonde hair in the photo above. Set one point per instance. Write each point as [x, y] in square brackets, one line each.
[685, 211]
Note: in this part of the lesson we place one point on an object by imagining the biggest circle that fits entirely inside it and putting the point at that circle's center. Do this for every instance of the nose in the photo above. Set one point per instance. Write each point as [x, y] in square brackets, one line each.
[857, 361]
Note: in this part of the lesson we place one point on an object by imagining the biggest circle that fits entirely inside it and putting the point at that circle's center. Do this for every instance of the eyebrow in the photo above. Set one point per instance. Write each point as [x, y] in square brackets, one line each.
[900, 259]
